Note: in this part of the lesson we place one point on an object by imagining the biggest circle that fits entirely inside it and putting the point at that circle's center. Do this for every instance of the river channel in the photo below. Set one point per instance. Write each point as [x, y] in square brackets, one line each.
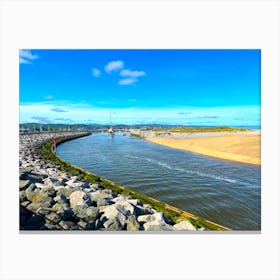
[225, 192]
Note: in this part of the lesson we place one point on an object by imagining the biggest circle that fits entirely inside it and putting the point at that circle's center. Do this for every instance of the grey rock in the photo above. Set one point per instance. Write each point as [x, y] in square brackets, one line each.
[63, 211]
[94, 186]
[86, 225]
[22, 196]
[155, 221]
[36, 196]
[44, 210]
[49, 190]
[120, 199]
[113, 224]
[80, 211]
[53, 217]
[201, 229]
[157, 227]
[68, 225]
[149, 208]
[60, 198]
[184, 225]
[158, 217]
[65, 191]
[135, 202]
[51, 226]
[99, 196]
[47, 202]
[25, 203]
[50, 181]
[114, 210]
[92, 214]
[39, 185]
[80, 185]
[24, 184]
[101, 202]
[132, 224]
[79, 198]
[70, 182]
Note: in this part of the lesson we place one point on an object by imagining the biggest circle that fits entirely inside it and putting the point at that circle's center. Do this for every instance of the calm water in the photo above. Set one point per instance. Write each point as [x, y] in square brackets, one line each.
[224, 192]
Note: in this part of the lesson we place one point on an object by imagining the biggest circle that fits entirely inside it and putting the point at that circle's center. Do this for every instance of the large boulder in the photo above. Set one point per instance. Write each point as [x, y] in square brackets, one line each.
[100, 198]
[79, 198]
[132, 224]
[112, 212]
[184, 225]
[49, 190]
[155, 222]
[151, 226]
[35, 206]
[92, 214]
[114, 224]
[65, 191]
[63, 211]
[36, 195]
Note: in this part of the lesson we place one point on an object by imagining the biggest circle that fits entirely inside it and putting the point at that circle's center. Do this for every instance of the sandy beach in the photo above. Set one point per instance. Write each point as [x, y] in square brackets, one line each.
[242, 147]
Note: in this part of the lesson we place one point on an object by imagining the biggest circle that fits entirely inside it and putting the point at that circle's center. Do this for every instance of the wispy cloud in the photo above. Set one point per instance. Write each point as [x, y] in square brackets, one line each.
[131, 77]
[41, 119]
[132, 74]
[114, 66]
[127, 81]
[58, 110]
[26, 57]
[96, 72]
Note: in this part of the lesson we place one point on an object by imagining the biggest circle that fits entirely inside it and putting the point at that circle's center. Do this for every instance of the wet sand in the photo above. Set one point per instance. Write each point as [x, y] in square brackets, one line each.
[242, 147]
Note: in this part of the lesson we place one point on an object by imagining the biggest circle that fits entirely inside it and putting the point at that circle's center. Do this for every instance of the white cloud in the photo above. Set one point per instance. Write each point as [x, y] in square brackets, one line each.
[131, 77]
[96, 72]
[114, 66]
[23, 61]
[127, 81]
[26, 57]
[132, 74]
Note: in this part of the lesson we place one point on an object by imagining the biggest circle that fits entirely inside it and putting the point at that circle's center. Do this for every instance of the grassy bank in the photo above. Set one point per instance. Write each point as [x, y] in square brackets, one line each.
[171, 212]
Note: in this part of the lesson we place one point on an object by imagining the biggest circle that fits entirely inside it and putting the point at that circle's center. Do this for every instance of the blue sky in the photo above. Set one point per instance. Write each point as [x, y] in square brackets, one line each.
[185, 87]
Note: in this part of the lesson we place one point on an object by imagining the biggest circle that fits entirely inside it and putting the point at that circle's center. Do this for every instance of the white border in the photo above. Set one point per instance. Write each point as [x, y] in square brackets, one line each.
[140, 24]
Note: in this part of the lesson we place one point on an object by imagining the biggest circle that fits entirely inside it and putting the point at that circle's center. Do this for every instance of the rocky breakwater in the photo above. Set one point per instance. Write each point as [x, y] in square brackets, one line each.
[52, 199]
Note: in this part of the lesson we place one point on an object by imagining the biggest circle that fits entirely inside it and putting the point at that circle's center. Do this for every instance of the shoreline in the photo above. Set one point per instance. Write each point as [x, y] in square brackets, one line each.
[242, 147]
[60, 196]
